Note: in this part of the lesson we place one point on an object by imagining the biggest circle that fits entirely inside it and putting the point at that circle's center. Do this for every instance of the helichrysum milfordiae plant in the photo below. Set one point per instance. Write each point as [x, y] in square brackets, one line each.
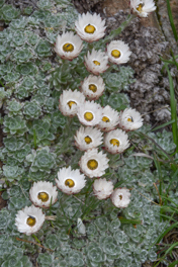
[32, 110]
[42, 160]
[15, 125]
[39, 145]
[94, 163]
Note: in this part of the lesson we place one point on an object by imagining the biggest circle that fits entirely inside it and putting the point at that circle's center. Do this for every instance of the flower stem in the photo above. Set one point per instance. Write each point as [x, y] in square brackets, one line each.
[90, 46]
[35, 237]
[117, 31]
[2, 84]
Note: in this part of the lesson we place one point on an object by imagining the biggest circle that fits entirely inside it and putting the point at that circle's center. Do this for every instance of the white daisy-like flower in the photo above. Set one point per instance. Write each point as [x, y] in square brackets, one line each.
[116, 141]
[93, 87]
[93, 163]
[110, 119]
[130, 119]
[68, 45]
[118, 52]
[143, 7]
[102, 188]
[70, 101]
[90, 113]
[96, 62]
[90, 27]
[70, 181]
[121, 197]
[87, 138]
[29, 220]
[43, 194]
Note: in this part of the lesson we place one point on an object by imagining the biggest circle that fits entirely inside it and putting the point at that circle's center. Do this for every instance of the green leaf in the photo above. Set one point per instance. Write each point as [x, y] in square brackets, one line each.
[173, 109]
[171, 20]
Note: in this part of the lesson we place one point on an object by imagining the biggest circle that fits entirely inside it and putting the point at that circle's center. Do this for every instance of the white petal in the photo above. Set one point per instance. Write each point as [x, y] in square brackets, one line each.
[95, 81]
[68, 38]
[94, 20]
[98, 56]
[94, 138]
[122, 48]
[147, 7]
[121, 197]
[119, 136]
[24, 214]
[99, 158]
[110, 119]
[74, 175]
[46, 187]
[102, 188]
[130, 119]
[74, 96]
[91, 108]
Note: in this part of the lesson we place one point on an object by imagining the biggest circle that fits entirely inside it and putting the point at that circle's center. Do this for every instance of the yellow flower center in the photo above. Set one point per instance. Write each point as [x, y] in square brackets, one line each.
[96, 62]
[120, 196]
[31, 221]
[43, 196]
[105, 119]
[88, 140]
[90, 29]
[88, 116]
[130, 119]
[70, 183]
[116, 53]
[68, 47]
[93, 88]
[139, 8]
[114, 142]
[92, 164]
[70, 103]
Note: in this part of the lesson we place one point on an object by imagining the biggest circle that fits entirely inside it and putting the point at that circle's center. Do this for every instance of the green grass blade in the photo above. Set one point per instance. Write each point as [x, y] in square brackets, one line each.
[160, 237]
[171, 20]
[2, 84]
[164, 153]
[168, 217]
[171, 248]
[34, 139]
[158, 167]
[173, 109]
[163, 125]
[167, 61]
[174, 58]
[173, 263]
[170, 200]
[174, 177]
